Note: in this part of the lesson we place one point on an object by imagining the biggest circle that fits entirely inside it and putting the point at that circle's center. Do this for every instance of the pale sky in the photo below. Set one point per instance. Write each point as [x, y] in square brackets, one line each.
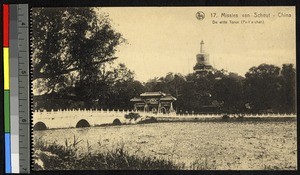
[167, 39]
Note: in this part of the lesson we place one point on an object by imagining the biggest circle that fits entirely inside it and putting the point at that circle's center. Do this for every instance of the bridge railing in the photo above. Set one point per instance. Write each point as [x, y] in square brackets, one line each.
[101, 112]
[74, 112]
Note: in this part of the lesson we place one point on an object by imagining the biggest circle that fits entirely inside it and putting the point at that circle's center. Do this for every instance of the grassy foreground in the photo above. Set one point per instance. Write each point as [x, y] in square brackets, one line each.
[66, 157]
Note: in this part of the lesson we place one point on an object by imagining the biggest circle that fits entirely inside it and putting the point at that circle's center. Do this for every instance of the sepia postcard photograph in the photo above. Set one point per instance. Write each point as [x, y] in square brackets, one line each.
[164, 88]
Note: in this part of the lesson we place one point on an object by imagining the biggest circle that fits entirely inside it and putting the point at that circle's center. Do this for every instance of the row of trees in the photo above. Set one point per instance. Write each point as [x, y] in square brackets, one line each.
[265, 88]
[73, 51]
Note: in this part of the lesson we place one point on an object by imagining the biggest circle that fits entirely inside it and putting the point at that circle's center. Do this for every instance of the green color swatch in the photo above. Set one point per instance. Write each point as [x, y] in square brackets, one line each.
[6, 111]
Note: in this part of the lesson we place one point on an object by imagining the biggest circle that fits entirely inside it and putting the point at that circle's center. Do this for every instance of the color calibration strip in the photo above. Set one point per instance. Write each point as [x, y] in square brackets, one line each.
[6, 88]
[16, 88]
[23, 88]
[14, 102]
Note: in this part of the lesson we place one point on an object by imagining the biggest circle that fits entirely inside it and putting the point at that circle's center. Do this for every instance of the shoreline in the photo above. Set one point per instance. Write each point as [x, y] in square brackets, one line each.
[197, 120]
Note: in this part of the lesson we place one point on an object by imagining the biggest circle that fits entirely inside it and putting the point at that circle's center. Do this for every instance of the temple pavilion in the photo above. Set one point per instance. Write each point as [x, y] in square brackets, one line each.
[156, 102]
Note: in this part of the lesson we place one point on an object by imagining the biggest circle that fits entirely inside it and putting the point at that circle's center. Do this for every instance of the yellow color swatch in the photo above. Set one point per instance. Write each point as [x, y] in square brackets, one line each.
[6, 67]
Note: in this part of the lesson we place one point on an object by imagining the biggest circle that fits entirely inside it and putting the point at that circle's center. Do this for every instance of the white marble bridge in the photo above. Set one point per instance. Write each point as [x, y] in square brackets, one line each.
[85, 118]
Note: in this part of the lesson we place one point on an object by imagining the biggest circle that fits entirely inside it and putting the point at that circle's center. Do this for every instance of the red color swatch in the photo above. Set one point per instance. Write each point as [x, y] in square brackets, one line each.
[5, 25]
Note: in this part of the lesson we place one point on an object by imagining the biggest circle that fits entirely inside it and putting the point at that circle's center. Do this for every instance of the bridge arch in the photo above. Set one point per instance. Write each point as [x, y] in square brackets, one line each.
[82, 123]
[116, 122]
[40, 126]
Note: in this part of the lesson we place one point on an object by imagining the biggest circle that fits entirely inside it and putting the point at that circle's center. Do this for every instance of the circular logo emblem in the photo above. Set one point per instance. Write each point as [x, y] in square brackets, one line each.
[200, 15]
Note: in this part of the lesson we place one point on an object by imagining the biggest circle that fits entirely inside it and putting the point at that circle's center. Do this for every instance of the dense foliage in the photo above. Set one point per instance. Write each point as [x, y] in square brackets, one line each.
[264, 89]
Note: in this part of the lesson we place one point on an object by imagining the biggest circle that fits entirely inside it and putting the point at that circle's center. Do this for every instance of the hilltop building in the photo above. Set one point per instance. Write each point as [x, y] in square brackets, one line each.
[156, 102]
[202, 66]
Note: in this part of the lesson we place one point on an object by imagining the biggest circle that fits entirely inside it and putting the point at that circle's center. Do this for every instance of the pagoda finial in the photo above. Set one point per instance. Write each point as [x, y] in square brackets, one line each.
[201, 46]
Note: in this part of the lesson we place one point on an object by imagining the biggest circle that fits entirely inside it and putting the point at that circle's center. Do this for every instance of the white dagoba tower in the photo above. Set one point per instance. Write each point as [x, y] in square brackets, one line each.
[202, 66]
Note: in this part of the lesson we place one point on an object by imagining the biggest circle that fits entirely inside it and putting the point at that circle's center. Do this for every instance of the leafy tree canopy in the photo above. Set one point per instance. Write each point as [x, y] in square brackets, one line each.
[71, 44]
[72, 48]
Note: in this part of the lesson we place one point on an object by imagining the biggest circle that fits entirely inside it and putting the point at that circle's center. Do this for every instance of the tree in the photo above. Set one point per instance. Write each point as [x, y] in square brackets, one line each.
[197, 93]
[229, 90]
[175, 83]
[122, 93]
[262, 88]
[156, 84]
[288, 95]
[122, 87]
[189, 99]
[71, 48]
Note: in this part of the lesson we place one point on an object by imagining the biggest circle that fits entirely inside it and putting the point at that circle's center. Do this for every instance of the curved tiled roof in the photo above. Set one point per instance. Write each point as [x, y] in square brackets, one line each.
[161, 95]
[136, 99]
[168, 98]
[149, 94]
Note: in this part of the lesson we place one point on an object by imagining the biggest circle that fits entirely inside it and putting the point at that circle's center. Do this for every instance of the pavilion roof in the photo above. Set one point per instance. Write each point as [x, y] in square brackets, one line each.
[162, 96]
[136, 99]
[168, 98]
[151, 94]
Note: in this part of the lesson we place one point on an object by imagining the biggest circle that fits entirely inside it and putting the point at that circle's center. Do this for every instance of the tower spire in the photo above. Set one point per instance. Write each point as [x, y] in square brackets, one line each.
[201, 46]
